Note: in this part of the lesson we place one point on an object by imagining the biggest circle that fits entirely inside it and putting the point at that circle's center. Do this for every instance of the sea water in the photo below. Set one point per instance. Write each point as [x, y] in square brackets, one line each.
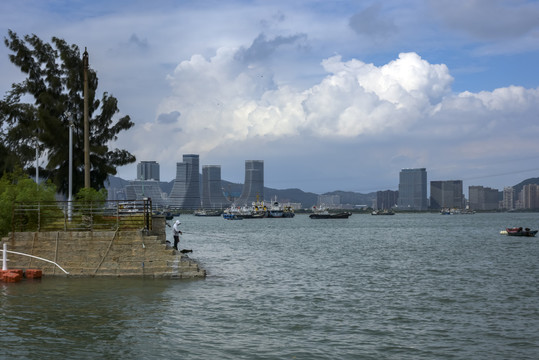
[408, 286]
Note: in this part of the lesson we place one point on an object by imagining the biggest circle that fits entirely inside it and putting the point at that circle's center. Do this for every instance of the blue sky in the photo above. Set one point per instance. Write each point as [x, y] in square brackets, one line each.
[332, 95]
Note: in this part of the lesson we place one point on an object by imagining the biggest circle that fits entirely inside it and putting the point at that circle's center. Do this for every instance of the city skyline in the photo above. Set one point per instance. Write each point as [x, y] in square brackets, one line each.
[207, 191]
[333, 96]
[252, 166]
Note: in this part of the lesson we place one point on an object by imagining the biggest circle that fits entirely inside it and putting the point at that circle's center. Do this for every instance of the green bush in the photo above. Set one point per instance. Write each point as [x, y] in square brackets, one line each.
[18, 187]
[89, 197]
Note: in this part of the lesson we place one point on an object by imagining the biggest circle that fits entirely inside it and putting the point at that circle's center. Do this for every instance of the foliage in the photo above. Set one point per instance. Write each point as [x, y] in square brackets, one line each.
[54, 82]
[18, 187]
[90, 197]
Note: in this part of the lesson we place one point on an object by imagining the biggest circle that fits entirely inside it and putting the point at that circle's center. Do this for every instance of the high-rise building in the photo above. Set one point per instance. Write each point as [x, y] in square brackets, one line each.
[530, 196]
[483, 198]
[212, 190]
[413, 189]
[140, 189]
[386, 199]
[446, 194]
[185, 193]
[253, 187]
[508, 202]
[148, 170]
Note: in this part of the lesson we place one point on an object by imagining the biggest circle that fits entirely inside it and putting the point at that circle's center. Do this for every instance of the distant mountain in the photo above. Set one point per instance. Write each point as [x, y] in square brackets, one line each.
[518, 187]
[115, 182]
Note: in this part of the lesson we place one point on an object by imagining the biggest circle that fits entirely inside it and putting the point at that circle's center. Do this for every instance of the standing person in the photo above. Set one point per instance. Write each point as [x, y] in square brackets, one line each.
[176, 232]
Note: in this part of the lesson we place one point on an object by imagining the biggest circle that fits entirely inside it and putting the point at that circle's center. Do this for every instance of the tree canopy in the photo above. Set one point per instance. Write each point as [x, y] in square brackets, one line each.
[38, 112]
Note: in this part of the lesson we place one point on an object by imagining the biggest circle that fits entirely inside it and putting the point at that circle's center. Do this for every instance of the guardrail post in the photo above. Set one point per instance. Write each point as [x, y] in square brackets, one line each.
[4, 258]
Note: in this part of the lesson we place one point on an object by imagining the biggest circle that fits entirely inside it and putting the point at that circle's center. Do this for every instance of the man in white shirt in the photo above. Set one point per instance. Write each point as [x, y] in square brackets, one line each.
[176, 232]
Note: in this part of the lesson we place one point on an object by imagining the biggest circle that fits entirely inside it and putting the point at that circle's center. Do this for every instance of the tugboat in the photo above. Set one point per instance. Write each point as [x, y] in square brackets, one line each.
[323, 213]
[279, 211]
[208, 212]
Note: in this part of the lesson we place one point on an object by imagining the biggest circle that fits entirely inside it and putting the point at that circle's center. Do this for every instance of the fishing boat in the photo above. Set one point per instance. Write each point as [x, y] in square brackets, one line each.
[208, 212]
[277, 210]
[259, 210]
[519, 231]
[323, 213]
[245, 212]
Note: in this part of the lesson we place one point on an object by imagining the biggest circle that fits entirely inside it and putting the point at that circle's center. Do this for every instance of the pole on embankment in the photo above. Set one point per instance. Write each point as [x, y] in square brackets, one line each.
[86, 123]
[4, 258]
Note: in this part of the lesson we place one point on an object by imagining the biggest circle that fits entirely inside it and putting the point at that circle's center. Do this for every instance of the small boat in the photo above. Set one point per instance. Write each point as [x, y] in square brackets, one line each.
[520, 232]
[383, 212]
[228, 216]
[323, 213]
[208, 212]
[171, 215]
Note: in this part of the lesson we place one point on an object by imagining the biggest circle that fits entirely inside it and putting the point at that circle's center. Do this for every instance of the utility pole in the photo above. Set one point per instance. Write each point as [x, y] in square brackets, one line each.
[86, 123]
[70, 184]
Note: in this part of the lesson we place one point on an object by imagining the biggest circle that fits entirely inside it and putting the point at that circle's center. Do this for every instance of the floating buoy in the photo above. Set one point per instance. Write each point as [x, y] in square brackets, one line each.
[16, 271]
[11, 276]
[33, 273]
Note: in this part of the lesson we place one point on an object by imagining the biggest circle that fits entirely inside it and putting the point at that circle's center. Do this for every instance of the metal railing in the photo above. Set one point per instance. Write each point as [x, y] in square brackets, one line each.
[82, 216]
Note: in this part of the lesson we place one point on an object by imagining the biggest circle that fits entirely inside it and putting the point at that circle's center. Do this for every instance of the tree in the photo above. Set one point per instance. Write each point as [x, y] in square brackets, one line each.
[55, 84]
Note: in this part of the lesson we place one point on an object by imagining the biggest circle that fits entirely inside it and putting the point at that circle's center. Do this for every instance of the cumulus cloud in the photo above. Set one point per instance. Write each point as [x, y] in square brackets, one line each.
[405, 108]
[224, 102]
[355, 98]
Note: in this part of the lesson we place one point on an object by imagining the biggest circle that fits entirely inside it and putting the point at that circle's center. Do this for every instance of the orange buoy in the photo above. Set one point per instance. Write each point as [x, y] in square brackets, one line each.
[16, 271]
[11, 277]
[34, 273]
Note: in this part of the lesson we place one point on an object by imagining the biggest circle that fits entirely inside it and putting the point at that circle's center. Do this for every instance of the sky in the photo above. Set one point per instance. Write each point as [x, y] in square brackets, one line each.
[332, 95]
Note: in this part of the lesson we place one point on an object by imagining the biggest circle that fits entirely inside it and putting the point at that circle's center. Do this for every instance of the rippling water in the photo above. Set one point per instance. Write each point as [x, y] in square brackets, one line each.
[409, 286]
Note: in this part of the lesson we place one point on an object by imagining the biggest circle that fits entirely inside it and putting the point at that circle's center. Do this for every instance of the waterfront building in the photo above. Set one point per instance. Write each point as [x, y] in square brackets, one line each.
[483, 198]
[386, 199]
[185, 193]
[413, 189]
[148, 170]
[212, 189]
[253, 187]
[508, 201]
[446, 194]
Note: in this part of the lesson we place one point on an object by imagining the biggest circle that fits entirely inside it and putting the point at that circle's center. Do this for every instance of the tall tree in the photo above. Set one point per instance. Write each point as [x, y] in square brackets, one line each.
[55, 84]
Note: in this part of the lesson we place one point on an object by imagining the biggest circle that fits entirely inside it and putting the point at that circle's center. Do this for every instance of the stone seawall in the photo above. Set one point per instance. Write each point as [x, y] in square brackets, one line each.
[103, 253]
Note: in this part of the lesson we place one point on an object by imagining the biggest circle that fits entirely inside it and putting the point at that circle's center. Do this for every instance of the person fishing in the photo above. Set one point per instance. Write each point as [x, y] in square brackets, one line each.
[176, 232]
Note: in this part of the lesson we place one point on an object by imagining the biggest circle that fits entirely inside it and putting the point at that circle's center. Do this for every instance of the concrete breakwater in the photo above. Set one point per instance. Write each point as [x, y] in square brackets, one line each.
[102, 253]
